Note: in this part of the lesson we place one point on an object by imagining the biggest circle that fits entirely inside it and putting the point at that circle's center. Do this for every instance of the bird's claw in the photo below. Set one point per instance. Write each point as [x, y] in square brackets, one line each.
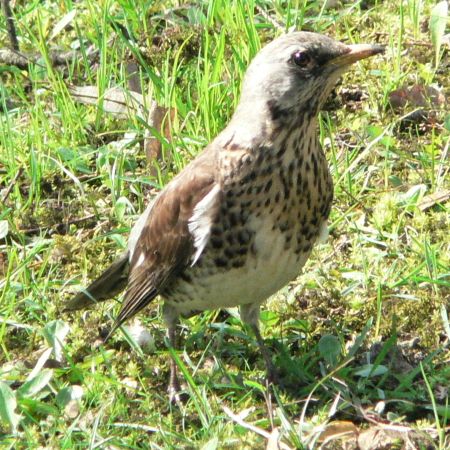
[176, 395]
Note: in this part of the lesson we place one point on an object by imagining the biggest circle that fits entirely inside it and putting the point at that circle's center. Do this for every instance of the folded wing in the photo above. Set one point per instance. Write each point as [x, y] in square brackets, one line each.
[175, 233]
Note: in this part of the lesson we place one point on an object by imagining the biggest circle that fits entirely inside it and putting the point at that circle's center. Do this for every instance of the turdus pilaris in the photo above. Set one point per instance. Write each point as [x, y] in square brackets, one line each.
[239, 222]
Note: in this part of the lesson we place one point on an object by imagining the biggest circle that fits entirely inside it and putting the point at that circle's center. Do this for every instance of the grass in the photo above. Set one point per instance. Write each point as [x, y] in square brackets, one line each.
[363, 334]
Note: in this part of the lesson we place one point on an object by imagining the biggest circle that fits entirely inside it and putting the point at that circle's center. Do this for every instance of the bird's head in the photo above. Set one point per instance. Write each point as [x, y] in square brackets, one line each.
[296, 72]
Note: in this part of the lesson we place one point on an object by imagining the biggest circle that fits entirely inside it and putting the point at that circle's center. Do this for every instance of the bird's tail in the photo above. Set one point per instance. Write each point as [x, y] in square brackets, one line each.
[112, 281]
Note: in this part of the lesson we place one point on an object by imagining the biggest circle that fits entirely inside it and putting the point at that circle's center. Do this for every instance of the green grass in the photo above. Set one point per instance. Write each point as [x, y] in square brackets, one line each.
[363, 333]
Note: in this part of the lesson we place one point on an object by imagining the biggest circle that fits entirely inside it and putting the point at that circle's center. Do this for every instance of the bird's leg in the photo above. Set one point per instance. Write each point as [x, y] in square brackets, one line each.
[250, 316]
[271, 371]
[171, 320]
[174, 382]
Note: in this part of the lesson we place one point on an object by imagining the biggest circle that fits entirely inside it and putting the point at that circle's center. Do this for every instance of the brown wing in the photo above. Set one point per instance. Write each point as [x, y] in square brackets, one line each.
[112, 281]
[165, 245]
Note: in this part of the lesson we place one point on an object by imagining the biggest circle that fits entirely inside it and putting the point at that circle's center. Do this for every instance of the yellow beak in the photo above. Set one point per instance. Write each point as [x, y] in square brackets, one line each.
[355, 53]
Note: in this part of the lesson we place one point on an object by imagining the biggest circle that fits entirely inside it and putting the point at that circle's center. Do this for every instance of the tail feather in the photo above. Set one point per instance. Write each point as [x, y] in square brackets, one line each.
[112, 281]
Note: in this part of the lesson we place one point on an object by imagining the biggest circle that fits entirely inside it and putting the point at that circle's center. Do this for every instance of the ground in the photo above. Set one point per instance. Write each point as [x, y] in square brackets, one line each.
[361, 337]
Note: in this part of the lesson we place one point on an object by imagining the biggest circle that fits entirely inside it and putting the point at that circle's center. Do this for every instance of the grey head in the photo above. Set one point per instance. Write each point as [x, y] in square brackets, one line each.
[297, 72]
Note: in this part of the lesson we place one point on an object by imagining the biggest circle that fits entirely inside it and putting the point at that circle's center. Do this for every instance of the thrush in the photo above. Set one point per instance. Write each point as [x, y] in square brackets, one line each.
[239, 222]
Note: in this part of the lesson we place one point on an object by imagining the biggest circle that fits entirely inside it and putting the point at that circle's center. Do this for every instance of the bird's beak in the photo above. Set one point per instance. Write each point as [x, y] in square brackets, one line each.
[355, 53]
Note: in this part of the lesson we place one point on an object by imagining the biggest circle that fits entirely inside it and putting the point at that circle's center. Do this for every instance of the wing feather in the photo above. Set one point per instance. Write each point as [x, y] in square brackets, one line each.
[165, 244]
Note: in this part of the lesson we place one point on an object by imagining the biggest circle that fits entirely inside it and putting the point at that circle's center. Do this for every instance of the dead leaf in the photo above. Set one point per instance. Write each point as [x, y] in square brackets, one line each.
[125, 103]
[133, 79]
[141, 336]
[417, 117]
[417, 95]
[377, 438]
[159, 118]
[331, 4]
[339, 429]
[131, 385]
[398, 98]
[3, 264]
[440, 392]
[116, 100]
[4, 228]
[446, 40]
[63, 23]
[274, 441]
[72, 409]
[432, 199]
[62, 250]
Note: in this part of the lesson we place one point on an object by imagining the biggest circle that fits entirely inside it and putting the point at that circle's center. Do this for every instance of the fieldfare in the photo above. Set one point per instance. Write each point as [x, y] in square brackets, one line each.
[239, 222]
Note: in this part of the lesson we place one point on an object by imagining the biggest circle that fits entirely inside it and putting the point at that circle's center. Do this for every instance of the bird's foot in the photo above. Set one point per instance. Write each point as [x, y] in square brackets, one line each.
[273, 375]
[174, 392]
[176, 395]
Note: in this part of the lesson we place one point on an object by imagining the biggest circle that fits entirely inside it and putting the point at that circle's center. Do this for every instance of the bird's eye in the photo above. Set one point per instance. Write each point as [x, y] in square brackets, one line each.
[301, 58]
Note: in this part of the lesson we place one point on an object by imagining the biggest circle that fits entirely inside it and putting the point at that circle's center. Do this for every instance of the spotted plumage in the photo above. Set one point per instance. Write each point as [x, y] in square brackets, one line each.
[240, 221]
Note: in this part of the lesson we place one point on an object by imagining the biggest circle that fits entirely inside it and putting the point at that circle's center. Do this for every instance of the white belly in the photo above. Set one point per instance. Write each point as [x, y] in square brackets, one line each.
[265, 272]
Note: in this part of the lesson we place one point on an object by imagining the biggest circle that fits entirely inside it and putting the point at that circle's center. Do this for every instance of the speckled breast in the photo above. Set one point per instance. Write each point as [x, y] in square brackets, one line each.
[272, 212]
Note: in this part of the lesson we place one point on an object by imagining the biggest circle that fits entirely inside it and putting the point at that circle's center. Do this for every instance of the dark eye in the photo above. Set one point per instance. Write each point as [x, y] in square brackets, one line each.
[301, 58]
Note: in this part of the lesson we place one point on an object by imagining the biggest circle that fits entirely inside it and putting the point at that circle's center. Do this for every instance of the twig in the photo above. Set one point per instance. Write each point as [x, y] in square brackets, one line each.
[265, 434]
[410, 43]
[235, 418]
[22, 60]
[269, 404]
[57, 226]
[11, 184]
[270, 19]
[10, 25]
[136, 426]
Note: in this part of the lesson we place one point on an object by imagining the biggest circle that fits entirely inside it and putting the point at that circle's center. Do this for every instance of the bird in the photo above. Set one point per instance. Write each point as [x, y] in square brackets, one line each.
[240, 220]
